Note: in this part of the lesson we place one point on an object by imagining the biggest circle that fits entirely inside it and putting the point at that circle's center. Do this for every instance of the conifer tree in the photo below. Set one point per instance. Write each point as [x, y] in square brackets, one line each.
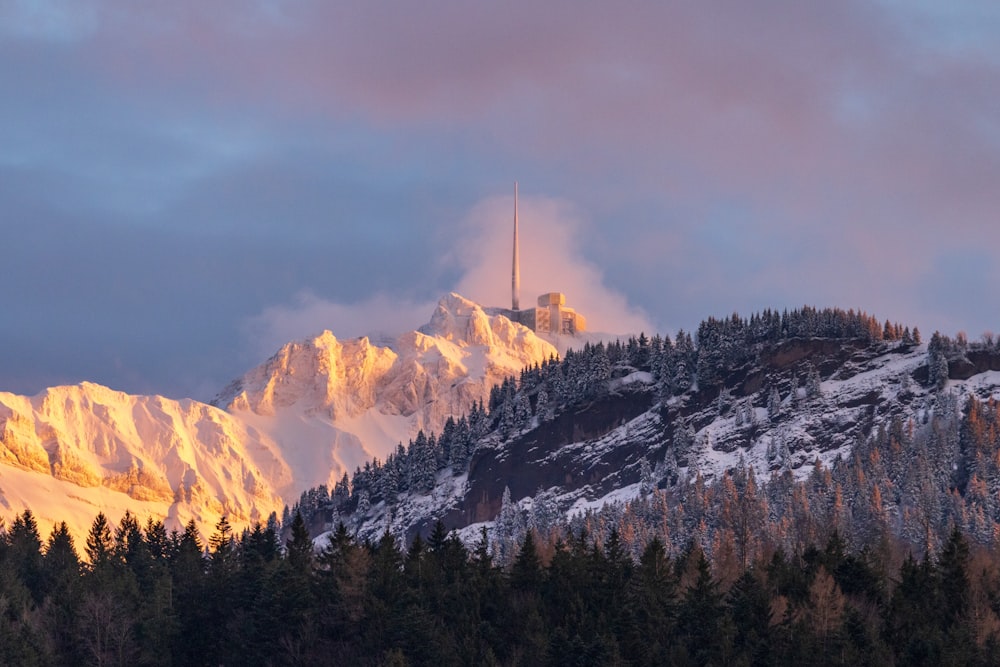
[100, 545]
[507, 527]
[773, 404]
[299, 547]
[700, 616]
[751, 614]
[953, 567]
[526, 573]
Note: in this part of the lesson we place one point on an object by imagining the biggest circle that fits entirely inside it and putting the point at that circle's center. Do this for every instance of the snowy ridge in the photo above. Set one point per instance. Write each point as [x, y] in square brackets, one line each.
[70, 452]
[313, 411]
[347, 402]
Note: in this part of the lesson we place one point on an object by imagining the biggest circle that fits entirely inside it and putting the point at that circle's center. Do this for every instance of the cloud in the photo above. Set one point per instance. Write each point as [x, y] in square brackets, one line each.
[551, 261]
[727, 155]
[782, 103]
[309, 315]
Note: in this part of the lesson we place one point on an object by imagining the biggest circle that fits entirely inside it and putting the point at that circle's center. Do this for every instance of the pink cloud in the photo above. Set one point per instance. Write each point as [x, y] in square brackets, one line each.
[750, 96]
[551, 261]
[834, 116]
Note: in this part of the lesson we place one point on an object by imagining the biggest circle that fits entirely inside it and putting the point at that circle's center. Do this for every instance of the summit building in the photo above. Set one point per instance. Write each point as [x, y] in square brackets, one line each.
[551, 314]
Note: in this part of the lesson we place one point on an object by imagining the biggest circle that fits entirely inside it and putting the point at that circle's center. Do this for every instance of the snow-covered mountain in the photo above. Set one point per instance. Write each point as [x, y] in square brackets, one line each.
[312, 412]
[332, 405]
[70, 452]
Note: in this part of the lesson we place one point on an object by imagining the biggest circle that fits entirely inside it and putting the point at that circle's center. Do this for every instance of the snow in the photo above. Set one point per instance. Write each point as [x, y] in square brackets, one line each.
[316, 409]
[620, 494]
[347, 402]
[637, 377]
[85, 448]
[53, 500]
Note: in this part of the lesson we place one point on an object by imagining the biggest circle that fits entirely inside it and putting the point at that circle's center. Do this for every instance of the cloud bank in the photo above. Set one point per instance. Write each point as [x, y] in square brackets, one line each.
[174, 176]
[307, 315]
[551, 261]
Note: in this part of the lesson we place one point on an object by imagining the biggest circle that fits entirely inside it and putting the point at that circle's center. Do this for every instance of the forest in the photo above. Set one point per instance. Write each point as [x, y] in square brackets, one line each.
[675, 365]
[141, 596]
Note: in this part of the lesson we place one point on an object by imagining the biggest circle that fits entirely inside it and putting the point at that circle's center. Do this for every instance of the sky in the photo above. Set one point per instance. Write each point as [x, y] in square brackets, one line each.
[185, 186]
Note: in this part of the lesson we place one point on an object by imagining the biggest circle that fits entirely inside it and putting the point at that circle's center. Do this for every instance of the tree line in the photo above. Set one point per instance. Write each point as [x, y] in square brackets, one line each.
[141, 596]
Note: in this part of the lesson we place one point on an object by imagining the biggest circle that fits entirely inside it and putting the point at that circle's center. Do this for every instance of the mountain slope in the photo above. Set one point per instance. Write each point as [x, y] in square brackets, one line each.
[781, 409]
[312, 412]
[333, 405]
[70, 452]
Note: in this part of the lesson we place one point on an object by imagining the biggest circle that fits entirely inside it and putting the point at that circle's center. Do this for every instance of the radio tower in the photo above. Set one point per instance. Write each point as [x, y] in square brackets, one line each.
[515, 278]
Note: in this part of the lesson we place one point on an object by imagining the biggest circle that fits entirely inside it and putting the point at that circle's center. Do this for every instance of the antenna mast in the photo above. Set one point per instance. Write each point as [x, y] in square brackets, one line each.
[515, 282]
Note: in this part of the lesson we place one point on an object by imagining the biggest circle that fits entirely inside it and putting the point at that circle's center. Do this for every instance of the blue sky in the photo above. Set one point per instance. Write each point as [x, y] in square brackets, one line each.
[186, 185]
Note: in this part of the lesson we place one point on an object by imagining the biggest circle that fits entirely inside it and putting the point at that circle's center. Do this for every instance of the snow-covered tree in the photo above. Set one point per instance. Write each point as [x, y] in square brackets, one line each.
[937, 361]
[723, 402]
[773, 404]
[423, 464]
[507, 527]
[522, 410]
[646, 481]
[670, 467]
[543, 408]
[364, 506]
[545, 514]
[814, 387]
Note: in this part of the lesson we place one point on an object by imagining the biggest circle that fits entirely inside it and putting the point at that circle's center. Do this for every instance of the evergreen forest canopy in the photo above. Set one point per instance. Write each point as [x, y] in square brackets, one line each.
[145, 597]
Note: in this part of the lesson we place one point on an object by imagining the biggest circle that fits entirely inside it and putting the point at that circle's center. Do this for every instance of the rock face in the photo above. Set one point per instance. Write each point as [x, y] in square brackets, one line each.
[313, 411]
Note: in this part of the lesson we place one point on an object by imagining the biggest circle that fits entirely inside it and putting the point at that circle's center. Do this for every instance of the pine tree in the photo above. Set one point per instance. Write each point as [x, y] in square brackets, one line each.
[651, 603]
[814, 387]
[299, 547]
[670, 467]
[913, 623]
[506, 527]
[751, 614]
[100, 545]
[953, 566]
[61, 560]
[364, 505]
[700, 616]
[545, 514]
[937, 361]
[646, 481]
[24, 554]
[522, 411]
[542, 407]
[221, 543]
[526, 573]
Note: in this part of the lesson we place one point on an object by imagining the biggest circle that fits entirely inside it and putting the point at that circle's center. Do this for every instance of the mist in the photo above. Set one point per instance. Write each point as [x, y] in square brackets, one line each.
[551, 261]
[550, 231]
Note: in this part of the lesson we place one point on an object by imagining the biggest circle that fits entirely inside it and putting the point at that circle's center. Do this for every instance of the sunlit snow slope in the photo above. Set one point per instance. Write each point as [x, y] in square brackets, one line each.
[332, 405]
[313, 411]
[73, 451]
